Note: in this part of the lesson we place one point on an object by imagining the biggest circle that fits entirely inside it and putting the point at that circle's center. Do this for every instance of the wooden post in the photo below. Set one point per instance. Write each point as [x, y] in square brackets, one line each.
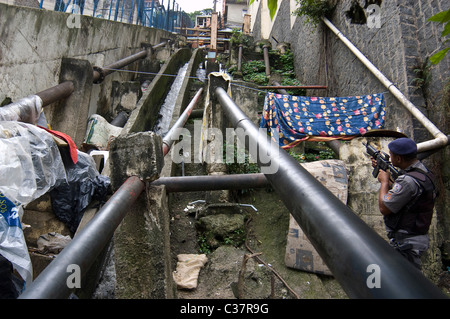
[214, 20]
[246, 26]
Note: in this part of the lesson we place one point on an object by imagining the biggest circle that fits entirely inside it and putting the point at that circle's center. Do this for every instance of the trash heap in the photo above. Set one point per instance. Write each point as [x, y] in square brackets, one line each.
[37, 162]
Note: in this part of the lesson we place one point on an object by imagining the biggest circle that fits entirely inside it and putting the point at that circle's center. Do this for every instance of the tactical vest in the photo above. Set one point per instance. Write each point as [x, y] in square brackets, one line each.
[416, 216]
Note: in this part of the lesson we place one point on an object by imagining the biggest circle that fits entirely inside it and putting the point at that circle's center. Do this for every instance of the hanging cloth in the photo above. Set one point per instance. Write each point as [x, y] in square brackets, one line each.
[299, 118]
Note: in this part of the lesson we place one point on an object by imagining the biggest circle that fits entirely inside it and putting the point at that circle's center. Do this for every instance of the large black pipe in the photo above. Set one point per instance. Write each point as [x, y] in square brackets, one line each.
[84, 248]
[354, 252]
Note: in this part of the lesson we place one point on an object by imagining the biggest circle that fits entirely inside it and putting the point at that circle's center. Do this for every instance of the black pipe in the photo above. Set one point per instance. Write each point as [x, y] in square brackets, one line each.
[211, 182]
[84, 248]
[100, 73]
[346, 244]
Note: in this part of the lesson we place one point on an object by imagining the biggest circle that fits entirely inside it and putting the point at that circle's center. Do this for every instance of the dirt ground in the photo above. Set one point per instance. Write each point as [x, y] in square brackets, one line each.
[264, 274]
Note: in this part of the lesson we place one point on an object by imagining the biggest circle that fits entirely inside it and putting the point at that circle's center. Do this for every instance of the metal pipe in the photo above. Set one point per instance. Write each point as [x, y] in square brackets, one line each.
[211, 182]
[86, 245]
[426, 154]
[440, 139]
[56, 93]
[293, 87]
[346, 244]
[168, 138]
[198, 113]
[65, 89]
[100, 73]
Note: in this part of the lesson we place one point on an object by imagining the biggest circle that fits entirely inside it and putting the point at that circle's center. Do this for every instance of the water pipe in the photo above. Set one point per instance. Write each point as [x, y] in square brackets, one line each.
[440, 139]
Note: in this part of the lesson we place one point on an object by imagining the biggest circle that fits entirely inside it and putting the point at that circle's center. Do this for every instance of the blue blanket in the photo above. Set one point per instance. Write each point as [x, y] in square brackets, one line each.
[297, 118]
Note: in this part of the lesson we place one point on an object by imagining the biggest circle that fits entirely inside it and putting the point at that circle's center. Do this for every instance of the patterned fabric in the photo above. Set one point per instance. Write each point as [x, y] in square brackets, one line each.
[299, 118]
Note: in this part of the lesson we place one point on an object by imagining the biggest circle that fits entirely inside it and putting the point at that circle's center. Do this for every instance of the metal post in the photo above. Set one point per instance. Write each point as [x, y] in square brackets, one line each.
[151, 16]
[239, 66]
[346, 244]
[86, 245]
[266, 59]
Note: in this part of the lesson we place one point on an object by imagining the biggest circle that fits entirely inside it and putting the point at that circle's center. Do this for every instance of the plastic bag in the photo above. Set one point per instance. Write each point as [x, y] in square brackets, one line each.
[30, 165]
[30, 162]
[25, 110]
[84, 184]
[12, 240]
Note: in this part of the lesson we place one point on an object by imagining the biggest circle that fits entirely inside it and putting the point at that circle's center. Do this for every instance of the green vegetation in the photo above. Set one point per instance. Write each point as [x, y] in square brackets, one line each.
[442, 17]
[280, 63]
[314, 10]
[322, 152]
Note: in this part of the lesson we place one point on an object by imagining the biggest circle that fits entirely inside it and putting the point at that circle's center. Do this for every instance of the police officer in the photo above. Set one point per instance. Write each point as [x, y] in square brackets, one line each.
[407, 204]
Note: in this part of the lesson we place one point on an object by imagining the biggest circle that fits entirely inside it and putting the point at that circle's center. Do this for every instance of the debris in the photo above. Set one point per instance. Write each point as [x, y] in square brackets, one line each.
[52, 243]
[188, 269]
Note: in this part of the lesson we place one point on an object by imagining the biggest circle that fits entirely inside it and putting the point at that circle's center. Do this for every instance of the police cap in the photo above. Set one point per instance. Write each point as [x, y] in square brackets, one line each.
[403, 146]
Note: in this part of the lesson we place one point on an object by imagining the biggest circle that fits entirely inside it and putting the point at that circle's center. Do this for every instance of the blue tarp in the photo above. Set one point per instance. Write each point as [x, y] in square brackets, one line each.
[299, 118]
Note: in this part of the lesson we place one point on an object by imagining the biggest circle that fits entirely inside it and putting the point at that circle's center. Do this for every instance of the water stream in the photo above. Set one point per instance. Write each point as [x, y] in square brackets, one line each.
[166, 111]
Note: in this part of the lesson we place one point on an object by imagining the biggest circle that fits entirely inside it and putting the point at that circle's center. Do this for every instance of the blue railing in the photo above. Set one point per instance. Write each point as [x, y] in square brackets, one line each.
[164, 14]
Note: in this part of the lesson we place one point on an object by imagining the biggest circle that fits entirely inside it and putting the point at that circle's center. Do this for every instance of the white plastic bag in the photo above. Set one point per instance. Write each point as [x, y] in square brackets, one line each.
[25, 110]
[30, 162]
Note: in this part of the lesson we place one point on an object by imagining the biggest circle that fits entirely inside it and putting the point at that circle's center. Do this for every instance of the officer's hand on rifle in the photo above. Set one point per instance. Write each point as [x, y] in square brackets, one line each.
[384, 177]
[374, 162]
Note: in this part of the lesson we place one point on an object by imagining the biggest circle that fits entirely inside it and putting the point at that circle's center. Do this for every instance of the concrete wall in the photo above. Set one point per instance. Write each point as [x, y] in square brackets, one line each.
[33, 43]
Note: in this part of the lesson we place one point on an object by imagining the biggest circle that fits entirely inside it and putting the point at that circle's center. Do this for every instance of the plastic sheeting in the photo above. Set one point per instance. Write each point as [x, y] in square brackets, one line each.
[84, 184]
[25, 110]
[30, 164]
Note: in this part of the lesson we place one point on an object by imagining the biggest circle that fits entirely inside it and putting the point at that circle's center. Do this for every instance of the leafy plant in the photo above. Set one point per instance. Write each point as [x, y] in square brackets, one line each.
[423, 75]
[313, 156]
[203, 244]
[237, 37]
[314, 10]
[239, 166]
[441, 17]
[272, 5]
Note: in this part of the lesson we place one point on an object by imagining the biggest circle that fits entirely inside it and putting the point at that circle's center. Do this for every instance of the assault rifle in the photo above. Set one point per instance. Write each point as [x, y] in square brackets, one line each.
[383, 161]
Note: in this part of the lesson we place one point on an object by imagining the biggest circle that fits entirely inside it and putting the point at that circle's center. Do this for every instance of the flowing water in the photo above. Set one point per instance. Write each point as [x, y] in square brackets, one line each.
[166, 111]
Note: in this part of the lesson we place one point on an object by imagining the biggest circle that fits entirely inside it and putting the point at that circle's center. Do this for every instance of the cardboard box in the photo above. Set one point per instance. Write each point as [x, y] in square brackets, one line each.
[300, 253]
